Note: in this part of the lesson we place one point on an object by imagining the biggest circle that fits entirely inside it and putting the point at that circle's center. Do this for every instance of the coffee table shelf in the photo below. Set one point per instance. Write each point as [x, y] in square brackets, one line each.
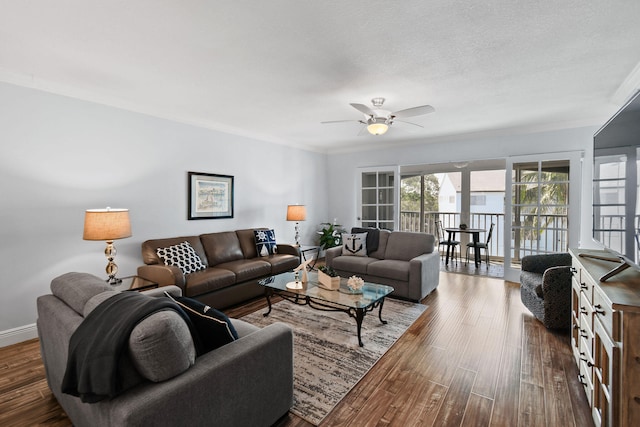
[354, 305]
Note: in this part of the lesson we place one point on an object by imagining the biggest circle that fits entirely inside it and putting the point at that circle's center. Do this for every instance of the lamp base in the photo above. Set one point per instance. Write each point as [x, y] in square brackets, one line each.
[113, 281]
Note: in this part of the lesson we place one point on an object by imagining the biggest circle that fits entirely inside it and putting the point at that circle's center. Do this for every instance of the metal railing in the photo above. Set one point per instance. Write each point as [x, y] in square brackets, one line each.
[410, 221]
[554, 238]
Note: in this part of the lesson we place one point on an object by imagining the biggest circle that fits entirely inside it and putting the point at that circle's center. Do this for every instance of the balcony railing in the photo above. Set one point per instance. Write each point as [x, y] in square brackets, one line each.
[410, 221]
[554, 238]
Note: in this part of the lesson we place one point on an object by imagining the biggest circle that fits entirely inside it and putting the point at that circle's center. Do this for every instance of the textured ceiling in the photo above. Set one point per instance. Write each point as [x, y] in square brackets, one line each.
[275, 69]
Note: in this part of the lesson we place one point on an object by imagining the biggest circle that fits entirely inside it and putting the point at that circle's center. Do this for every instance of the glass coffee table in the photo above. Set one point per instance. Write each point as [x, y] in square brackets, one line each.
[356, 305]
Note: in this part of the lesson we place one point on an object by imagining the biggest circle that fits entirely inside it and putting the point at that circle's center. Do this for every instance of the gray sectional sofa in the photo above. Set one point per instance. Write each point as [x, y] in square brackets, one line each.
[406, 261]
[247, 382]
[232, 266]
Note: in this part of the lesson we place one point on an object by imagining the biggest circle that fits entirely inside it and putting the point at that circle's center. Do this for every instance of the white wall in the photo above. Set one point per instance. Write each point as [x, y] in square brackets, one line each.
[60, 156]
[343, 173]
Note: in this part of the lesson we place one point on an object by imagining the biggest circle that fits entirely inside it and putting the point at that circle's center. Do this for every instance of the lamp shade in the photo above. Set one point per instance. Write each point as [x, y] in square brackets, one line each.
[106, 224]
[296, 213]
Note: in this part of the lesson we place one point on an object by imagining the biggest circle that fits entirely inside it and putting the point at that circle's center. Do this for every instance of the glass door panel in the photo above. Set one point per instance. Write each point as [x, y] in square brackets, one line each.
[377, 198]
[541, 195]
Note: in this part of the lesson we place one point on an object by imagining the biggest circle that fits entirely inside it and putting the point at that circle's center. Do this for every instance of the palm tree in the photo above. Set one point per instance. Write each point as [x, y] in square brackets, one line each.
[544, 195]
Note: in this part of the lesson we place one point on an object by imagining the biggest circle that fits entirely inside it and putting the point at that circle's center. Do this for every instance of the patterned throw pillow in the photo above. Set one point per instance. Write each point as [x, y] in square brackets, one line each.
[182, 256]
[354, 244]
[213, 327]
[265, 242]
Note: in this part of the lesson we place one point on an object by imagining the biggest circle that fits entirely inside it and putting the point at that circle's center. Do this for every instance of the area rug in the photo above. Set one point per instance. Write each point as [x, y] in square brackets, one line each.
[328, 362]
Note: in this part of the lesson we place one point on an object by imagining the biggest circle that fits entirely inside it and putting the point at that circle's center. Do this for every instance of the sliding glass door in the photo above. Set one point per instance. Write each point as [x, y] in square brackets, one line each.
[542, 191]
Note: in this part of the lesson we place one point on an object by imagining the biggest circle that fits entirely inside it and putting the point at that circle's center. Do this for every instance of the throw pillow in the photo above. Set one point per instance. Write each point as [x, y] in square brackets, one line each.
[265, 242]
[182, 256]
[213, 327]
[354, 244]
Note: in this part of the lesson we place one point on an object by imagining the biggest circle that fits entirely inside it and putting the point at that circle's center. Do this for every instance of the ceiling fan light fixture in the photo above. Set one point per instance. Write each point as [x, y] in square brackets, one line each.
[377, 128]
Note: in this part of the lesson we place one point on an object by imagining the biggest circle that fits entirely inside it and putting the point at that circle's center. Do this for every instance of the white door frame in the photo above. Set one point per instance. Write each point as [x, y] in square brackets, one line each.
[575, 188]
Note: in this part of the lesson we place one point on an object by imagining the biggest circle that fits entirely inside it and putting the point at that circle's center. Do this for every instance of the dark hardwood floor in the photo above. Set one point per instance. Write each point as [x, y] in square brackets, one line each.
[476, 357]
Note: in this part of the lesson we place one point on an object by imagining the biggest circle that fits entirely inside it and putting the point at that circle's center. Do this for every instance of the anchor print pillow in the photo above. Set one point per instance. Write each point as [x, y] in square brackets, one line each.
[354, 244]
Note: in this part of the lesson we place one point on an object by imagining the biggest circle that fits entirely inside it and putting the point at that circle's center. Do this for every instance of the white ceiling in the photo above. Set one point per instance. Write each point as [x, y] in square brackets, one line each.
[275, 69]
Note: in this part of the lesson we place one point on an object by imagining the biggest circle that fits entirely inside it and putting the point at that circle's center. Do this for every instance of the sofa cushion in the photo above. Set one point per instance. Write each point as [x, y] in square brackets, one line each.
[382, 245]
[96, 300]
[243, 328]
[160, 346]
[182, 256]
[247, 269]
[221, 247]
[75, 289]
[149, 248]
[354, 244]
[282, 262]
[265, 242]
[213, 327]
[247, 240]
[205, 281]
[352, 264]
[390, 268]
[405, 245]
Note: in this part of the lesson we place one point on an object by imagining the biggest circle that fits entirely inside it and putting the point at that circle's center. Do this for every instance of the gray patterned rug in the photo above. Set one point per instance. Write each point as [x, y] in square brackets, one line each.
[328, 362]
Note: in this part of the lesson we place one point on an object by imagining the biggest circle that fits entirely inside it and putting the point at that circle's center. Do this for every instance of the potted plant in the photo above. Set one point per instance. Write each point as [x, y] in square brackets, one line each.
[330, 235]
[328, 278]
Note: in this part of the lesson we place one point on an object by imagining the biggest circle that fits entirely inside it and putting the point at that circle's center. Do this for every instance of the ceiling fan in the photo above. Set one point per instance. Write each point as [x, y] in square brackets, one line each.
[377, 120]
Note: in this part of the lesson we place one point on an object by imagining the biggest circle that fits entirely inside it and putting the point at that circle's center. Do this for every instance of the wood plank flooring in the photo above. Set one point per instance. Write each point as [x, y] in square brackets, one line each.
[476, 357]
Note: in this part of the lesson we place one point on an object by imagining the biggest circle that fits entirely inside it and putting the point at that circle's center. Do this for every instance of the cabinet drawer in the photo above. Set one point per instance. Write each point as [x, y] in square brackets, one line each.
[586, 311]
[609, 318]
[583, 280]
[586, 357]
[585, 380]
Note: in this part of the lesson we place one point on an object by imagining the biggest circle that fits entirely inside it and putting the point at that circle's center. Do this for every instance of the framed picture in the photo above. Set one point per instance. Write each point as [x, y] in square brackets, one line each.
[210, 196]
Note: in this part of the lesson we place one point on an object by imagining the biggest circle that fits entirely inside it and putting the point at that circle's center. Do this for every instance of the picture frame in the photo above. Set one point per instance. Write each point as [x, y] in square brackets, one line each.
[210, 196]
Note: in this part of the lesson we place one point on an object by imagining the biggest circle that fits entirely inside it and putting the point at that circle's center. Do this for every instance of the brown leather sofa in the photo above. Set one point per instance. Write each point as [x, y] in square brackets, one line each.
[233, 266]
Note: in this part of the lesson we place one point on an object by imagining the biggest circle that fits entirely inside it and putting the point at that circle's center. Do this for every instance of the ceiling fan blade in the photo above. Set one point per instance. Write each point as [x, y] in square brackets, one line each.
[414, 111]
[339, 121]
[363, 109]
[409, 123]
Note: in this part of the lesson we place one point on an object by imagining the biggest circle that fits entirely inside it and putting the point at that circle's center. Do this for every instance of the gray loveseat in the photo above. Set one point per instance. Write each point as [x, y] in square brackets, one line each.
[246, 382]
[406, 261]
[232, 266]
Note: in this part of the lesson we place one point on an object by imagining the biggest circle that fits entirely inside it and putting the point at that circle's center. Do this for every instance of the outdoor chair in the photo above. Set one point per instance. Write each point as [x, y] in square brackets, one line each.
[443, 242]
[480, 245]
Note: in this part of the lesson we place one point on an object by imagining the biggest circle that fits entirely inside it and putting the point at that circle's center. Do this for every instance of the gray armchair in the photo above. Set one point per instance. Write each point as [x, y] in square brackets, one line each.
[545, 288]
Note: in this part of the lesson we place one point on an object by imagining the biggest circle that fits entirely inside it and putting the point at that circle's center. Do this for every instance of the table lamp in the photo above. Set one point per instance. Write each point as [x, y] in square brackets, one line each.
[107, 224]
[297, 213]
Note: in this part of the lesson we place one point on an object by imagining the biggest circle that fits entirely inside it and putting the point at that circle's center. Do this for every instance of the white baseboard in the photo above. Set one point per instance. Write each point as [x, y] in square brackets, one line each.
[16, 335]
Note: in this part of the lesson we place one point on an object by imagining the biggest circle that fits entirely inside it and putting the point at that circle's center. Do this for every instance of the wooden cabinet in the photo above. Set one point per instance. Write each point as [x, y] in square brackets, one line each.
[606, 338]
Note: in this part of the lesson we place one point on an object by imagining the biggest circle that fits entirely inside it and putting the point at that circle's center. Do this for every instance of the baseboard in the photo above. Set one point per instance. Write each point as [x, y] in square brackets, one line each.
[16, 335]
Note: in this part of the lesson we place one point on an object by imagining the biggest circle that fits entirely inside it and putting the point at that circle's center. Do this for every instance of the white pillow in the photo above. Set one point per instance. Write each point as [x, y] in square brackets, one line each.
[354, 244]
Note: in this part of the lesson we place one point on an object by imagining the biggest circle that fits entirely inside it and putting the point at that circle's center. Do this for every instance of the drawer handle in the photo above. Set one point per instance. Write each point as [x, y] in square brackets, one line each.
[574, 270]
[597, 307]
[583, 286]
[580, 379]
